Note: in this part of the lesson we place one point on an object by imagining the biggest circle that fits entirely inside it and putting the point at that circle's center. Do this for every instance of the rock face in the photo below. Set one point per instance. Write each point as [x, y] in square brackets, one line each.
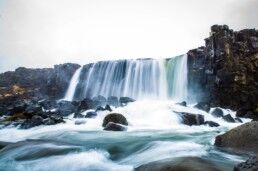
[243, 138]
[179, 164]
[50, 82]
[225, 71]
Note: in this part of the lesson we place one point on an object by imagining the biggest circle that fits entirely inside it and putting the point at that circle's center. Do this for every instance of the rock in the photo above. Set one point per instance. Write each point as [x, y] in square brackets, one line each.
[111, 126]
[32, 109]
[78, 115]
[34, 121]
[125, 100]
[183, 103]
[179, 164]
[238, 120]
[49, 121]
[100, 100]
[79, 122]
[242, 138]
[203, 106]
[217, 112]
[115, 118]
[191, 119]
[229, 118]
[91, 115]
[66, 108]
[113, 101]
[250, 165]
[211, 124]
[100, 108]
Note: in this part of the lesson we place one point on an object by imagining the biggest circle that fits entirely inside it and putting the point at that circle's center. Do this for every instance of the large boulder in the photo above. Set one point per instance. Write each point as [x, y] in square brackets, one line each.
[250, 165]
[179, 164]
[211, 123]
[243, 138]
[191, 119]
[229, 118]
[113, 101]
[115, 118]
[91, 114]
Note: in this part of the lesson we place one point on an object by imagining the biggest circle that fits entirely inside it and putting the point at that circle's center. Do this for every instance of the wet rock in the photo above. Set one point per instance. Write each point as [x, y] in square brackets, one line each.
[179, 164]
[243, 138]
[49, 121]
[113, 101]
[250, 165]
[100, 100]
[107, 107]
[191, 119]
[238, 120]
[100, 108]
[48, 104]
[34, 121]
[111, 126]
[229, 118]
[91, 115]
[203, 106]
[125, 100]
[211, 124]
[66, 108]
[115, 118]
[78, 115]
[183, 103]
[79, 122]
[217, 112]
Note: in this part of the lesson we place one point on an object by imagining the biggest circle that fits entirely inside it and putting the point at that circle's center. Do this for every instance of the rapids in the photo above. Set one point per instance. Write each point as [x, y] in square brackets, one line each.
[154, 133]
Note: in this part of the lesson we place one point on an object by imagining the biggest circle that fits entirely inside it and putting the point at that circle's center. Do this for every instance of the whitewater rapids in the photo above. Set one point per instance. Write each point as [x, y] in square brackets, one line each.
[154, 132]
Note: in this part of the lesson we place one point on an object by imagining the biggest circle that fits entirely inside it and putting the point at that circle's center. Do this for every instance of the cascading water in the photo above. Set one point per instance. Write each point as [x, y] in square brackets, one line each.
[73, 84]
[138, 79]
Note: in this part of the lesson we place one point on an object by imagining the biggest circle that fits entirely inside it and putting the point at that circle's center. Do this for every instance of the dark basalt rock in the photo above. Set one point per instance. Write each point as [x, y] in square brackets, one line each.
[115, 118]
[211, 124]
[250, 165]
[243, 138]
[217, 112]
[238, 120]
[191, 119]
[183, 103]
[80, 122]
[100, 100]
[114, 127]
[78, 115]
[179, 164]
[203, 106]
[224, 71]
[66, 108]
[91, 115]
[107, 107]
[229, 118]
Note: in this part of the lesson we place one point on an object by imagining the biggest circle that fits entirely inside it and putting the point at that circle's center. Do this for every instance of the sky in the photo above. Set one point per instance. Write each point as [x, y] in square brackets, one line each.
[42, 33]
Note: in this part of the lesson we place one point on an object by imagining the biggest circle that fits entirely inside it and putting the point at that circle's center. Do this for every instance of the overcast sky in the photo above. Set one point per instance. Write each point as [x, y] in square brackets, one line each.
[41, 33]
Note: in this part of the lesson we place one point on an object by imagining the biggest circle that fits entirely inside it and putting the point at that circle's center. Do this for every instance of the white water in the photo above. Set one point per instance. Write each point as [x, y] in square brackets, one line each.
[73, 84]
[138, 79]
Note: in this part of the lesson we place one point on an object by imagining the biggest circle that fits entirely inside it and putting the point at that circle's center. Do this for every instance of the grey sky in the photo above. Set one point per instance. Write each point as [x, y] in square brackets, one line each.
[41, 33]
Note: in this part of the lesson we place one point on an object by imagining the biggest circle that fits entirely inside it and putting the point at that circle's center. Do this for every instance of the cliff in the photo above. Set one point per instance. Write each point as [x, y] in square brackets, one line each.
[225, 71]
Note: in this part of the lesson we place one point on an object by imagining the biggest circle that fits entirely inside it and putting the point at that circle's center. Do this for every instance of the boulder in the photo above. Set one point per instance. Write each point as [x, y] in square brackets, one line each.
[229, 118]
[66, 108]
[242, 138]
[91, 115]
[79, 122]
[211, 124]
[179, 164]
[217, 112]
[78, 115]
[191, 119]
[115, 118]
[100, 100]
[107, 107]
[111, 126]
[203, 106]
[238, 120]
[250, 165]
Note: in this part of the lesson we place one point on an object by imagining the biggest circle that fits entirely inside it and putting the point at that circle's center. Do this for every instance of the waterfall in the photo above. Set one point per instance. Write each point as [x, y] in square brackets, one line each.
[177, 78]
[138, 79]
[73, 84]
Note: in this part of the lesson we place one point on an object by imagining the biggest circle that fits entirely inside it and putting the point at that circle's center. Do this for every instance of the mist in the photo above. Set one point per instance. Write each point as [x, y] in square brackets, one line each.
[36, 33]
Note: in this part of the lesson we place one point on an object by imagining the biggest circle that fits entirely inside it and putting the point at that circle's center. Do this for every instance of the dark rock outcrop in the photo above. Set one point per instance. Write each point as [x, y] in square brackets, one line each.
[229, 118]
[183, 103]
[243, 138]
[217, 112]
[91, 115]
[250, 165]
[179, 164]
[225, 71]
[203, 106]
[211, 123]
